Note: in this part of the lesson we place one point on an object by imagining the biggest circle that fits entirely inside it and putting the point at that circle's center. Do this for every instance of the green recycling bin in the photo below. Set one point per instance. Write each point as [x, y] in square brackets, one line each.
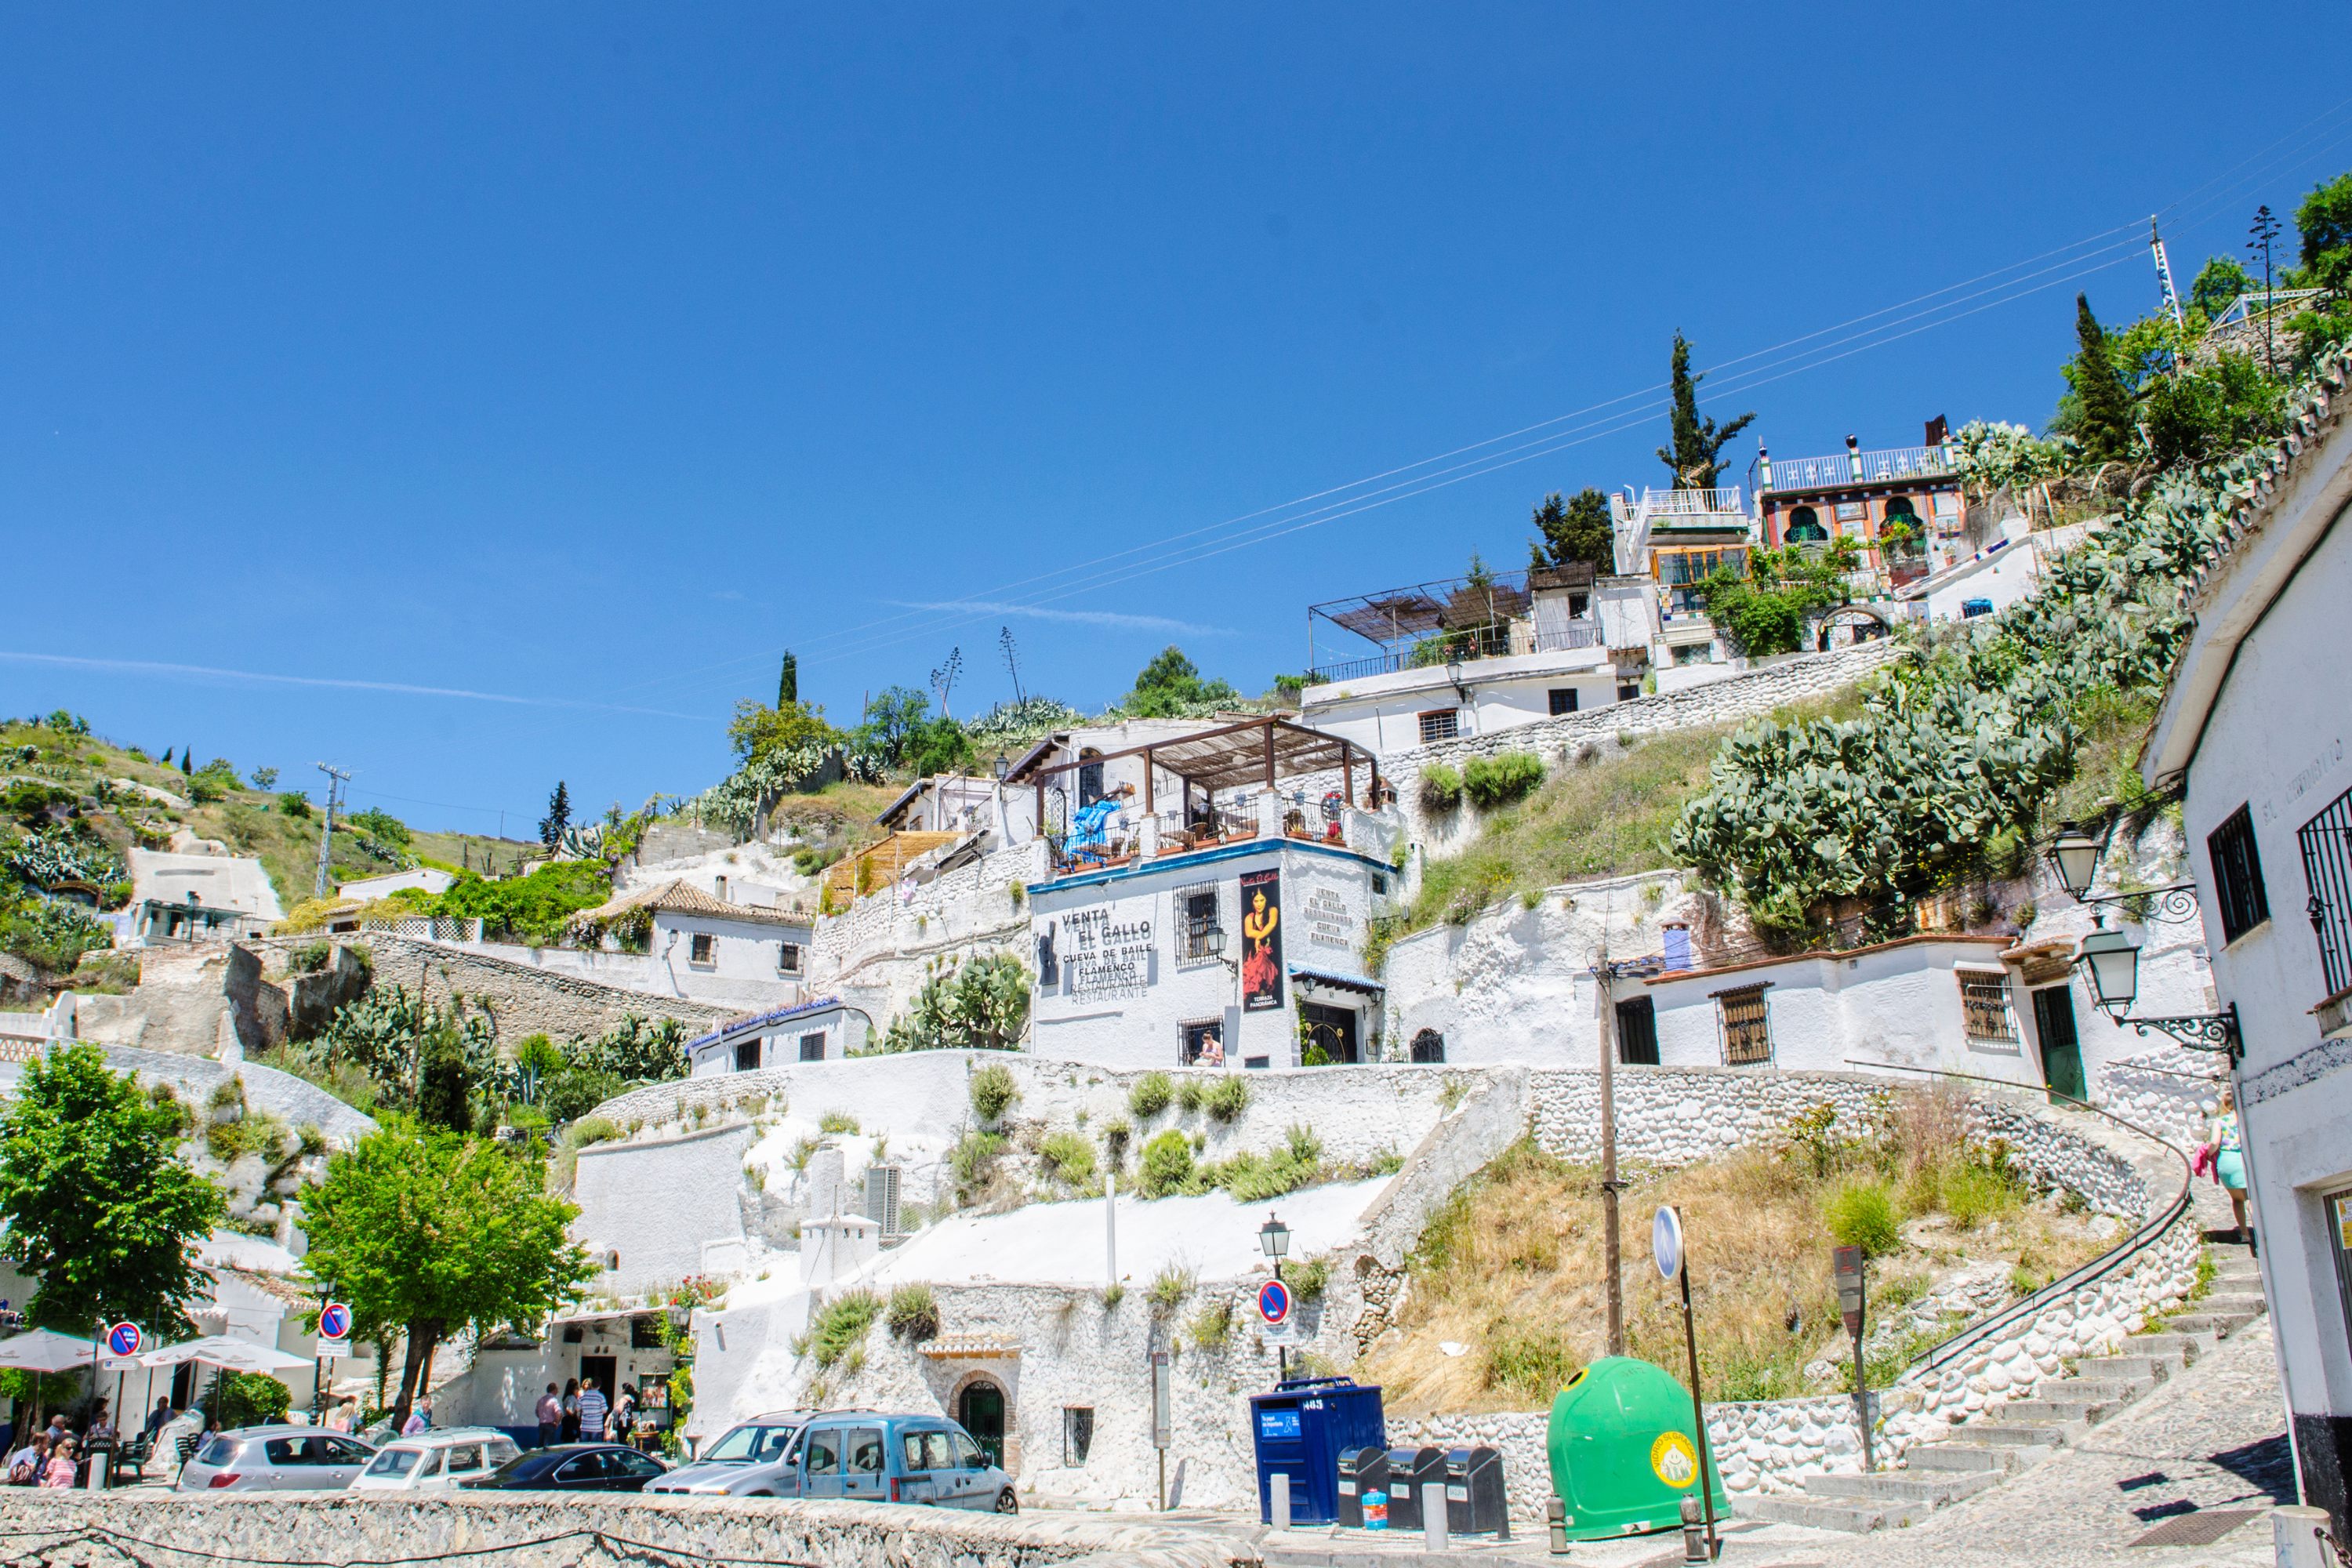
[1624, 1453]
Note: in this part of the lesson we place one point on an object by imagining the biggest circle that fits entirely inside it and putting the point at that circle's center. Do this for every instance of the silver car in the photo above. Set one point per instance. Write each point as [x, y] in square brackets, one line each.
[749, 1459]
[275, 1460]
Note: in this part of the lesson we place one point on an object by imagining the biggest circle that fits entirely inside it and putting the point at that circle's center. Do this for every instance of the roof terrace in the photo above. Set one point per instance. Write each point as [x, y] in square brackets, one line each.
[1492, 615]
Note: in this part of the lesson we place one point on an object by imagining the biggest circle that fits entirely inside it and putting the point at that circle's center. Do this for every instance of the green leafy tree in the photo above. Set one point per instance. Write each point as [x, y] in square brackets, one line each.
[756, 733]
[99, 1208]
[558, 817]
[1575, 530]
[430, 1232]
[2323, 222]
[893, 719]
[265, 778]
[942, 746]
[1696, 458]
[380, 825]
[1170, 684]
[2218, 283]
[533, 908]
[2103, 411]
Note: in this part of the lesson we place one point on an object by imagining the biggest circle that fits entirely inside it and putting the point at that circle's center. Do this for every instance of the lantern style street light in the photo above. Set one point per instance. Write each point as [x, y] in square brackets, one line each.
[2109, 958]
[1274, 1237]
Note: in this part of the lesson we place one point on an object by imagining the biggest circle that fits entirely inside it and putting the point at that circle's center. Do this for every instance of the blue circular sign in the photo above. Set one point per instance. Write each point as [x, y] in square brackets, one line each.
[124, 1339]
[1274, 1302]
[334, 1321]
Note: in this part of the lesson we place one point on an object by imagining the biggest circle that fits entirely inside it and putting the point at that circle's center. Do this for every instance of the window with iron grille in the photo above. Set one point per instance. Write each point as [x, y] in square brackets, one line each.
[2326, 844]
[1563, 699]
[1196, 917]
[787, 957]
[704, 949]
[2237, 876]
[1747, 1026]
[1442, 725]
[1984, 1003]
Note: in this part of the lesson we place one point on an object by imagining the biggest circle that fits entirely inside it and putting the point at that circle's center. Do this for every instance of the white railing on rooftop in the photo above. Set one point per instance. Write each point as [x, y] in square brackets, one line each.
[1850, 468]
[1689, 503]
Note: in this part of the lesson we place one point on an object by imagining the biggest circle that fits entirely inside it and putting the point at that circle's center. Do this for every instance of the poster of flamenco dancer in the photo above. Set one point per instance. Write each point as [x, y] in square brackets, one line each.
[1261, 941]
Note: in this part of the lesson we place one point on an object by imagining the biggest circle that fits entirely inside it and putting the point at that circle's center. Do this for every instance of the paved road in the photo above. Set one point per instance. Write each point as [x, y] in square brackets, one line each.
[2213, 1436]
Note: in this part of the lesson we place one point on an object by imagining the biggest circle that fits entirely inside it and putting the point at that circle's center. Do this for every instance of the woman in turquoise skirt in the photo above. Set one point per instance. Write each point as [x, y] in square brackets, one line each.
[2229, 1159]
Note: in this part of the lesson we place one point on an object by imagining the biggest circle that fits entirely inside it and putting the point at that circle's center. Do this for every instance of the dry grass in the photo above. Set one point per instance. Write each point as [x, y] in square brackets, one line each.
[1512, 1270]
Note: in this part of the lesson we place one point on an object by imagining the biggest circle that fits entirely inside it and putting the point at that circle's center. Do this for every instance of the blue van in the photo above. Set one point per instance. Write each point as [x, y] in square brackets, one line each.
[868, 1454]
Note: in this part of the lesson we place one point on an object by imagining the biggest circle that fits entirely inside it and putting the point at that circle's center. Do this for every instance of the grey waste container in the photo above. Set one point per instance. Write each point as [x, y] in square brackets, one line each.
[1475, 1503]
[1410, 1471]
[1361, 1470]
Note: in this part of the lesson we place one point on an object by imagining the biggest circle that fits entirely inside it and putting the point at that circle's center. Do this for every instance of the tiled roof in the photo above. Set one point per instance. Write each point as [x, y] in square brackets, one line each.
[679, 898]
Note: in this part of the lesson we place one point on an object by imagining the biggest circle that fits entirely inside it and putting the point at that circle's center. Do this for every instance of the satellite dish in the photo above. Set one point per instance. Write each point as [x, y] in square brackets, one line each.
[1667, 1243]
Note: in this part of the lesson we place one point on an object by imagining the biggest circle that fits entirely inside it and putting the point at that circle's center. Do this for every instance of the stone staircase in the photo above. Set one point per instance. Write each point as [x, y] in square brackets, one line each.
[2023, 1433]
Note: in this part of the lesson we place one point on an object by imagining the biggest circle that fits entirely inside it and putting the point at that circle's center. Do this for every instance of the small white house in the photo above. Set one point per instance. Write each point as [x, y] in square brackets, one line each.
[824, 1030]
[2256, 725]
[700, 943]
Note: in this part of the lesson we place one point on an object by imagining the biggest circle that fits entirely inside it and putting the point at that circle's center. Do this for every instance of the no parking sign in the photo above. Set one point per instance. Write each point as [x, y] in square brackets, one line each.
[1274, 1309]
[334, 1331]
[124, 1340]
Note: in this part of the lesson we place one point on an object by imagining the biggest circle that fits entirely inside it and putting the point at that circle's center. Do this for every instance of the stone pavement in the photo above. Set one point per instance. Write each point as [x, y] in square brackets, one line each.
[2212, 1436]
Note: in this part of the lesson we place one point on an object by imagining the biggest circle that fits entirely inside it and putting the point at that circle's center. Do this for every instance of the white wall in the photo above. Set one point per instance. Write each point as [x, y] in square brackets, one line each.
[1381, 712]
[219, 881]
[741, 950]
[422, 878]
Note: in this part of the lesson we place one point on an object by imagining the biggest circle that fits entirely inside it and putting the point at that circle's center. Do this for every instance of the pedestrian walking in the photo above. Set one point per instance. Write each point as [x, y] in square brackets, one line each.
[593, 1410]
[2230, 1160]
[572, 1410]
[551, 1416]
[625, 1413]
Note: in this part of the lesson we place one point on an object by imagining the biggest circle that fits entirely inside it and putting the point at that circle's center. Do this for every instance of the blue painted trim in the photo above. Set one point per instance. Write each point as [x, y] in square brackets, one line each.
[1210, 857]
[1340, 978]
[761, 1021]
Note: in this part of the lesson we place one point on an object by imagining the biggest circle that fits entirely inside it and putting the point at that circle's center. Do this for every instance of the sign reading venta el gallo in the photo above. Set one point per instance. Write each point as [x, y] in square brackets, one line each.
[1328, 922]
[1107, 959]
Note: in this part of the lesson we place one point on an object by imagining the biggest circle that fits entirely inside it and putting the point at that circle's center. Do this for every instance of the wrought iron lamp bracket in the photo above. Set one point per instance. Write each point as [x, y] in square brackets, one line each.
[2164, 905]
[2197, 1031]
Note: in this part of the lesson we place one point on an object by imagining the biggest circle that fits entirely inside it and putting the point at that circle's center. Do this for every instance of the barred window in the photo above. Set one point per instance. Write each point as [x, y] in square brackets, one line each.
[1196, 917]
[704, 949]
[2237, 876]
[1984, 1003]
[787, 957]
[1747, 1026]
[1442, 725]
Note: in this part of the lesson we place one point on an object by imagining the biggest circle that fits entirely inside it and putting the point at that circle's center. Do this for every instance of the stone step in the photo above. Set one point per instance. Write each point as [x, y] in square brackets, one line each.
[2179, 1349]
[1855, 1519]
[2109, 1391]
[2090, 1412]
[2234, 1301]
[2139, 1371]
[2022, 1433]
[1969, 1458]
[2221, 1325]
[1934, 1488]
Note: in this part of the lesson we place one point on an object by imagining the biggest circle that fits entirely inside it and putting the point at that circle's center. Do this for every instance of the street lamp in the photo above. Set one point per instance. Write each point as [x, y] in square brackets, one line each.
[2110, 958]
[1004, 766]
[2074, 855]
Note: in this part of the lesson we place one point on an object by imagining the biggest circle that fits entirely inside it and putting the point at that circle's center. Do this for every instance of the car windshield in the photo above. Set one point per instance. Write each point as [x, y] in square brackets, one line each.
[526, 1467]
[219, 1451]
[749, 1444]
[395, 1462]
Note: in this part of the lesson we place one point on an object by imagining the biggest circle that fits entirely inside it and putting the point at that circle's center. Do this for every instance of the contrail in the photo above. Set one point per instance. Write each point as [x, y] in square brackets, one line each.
[141, 666]
[1082, 617]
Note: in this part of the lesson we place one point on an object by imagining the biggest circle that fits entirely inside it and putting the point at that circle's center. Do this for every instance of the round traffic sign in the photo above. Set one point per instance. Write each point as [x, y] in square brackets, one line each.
[1667, 1243]
[1274, 1302]
[124, 1339]
[334, 1321]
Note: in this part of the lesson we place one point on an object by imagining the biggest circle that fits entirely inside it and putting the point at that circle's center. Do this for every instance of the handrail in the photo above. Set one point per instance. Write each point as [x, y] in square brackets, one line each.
[2065, 1285]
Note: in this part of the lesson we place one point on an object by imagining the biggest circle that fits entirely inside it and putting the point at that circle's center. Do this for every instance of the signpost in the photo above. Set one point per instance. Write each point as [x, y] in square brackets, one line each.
[1673, 1263]
[334, 1341]
[1273, 1312]
[123, 1340]
[1846, 1262]
[1163, 1418]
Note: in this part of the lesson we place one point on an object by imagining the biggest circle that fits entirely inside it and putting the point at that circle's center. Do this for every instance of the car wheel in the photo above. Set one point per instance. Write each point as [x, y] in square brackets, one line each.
[1006, 1502]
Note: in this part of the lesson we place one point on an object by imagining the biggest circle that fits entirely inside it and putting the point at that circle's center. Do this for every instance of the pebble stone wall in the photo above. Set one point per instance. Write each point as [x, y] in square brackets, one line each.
[1675, 1116]
[2169, 1092]
[97, 1530]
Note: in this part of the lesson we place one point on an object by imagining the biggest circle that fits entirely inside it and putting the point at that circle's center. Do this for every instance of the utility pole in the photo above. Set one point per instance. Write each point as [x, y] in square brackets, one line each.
[1604, 974]
[2171, 297]
[327, 838]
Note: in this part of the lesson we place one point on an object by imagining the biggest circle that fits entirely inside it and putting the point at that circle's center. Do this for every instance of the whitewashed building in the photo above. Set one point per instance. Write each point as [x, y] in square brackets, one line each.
[821, 1030]
[1469, 656]
[2254, 728]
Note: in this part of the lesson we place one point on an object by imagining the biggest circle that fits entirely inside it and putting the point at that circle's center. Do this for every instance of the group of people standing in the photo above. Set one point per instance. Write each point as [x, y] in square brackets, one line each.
[583, 1410]
[54, 1456]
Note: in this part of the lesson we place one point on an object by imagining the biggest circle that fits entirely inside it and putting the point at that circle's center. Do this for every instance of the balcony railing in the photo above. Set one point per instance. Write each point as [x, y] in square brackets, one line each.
[1685, 503]
[1467, 649]
[1851, 468]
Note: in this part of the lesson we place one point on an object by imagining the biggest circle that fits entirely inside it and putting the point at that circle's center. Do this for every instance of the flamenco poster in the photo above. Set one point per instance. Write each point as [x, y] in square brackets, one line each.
[1261, 941]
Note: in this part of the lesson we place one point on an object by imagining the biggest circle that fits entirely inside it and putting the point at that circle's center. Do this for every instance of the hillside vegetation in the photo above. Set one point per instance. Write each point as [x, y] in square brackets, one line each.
[1512, 1268]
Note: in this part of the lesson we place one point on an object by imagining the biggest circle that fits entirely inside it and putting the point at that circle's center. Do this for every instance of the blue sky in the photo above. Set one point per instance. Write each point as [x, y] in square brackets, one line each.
[510, 384]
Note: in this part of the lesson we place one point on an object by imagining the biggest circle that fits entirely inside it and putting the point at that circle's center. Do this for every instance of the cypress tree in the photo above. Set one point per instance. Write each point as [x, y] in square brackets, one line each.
[1695, 459]
[558, 817]
[788, 683]
[2106, 421]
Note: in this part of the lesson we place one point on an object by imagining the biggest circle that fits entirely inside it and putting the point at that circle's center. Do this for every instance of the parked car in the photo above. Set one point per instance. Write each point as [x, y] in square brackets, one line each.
[574, 1468]
[275, 1459]
[436, 1460]
[878, 1456]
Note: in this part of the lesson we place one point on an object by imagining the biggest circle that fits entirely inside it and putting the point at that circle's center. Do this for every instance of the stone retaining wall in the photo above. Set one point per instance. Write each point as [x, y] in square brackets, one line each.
[525, 1001]
[2166, 1092]
[39, 1528]
[1678, 1116]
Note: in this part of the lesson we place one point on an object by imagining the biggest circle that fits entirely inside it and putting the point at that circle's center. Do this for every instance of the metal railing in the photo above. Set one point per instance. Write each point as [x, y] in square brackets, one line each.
[1850, 468]
[2327, 845]
[1469, 649]
[1688, 503]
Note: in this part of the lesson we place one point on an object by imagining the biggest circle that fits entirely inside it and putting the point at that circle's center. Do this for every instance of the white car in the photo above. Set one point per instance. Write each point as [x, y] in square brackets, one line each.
[436, 1460]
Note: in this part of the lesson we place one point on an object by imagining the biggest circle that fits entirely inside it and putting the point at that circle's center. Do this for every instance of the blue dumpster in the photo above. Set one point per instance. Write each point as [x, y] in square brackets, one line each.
[1300, 1429]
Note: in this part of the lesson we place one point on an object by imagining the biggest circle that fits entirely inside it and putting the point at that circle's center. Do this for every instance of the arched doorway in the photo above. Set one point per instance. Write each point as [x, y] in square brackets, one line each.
[981, 1408]
[1805, 528]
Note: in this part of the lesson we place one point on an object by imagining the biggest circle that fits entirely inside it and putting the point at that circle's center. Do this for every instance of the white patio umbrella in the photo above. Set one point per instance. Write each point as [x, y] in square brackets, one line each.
[222, 1351]
[45, 1350]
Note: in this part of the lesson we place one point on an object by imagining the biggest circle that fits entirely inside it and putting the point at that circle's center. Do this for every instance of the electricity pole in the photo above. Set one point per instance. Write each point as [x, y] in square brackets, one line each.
[1603, 975]
[327, 836]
